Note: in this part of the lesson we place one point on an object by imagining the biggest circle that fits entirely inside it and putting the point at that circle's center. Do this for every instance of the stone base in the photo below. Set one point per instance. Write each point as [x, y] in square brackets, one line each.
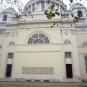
[38, 80]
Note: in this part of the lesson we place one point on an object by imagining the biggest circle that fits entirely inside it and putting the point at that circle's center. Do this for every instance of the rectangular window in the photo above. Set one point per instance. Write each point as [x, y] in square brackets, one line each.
[10, 55]
[68, 55]
[5, 18]
[85, 58]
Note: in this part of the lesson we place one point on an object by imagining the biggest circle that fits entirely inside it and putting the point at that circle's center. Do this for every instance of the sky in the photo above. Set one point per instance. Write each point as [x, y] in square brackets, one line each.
[84, 2]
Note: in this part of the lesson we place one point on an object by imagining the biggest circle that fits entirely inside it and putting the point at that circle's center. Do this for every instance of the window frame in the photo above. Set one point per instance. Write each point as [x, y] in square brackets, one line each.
[68, 54]
[79, 13]
[5, 17]
[39, 38]
[10, 55]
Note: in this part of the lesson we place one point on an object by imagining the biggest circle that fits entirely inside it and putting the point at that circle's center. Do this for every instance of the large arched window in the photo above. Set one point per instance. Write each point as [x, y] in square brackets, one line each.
[38, 39]
[79, 13]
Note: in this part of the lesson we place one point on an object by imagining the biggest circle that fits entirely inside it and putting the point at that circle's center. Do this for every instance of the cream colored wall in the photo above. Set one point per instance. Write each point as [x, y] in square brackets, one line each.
[39, 59]
[5, 39]
[47, 55]
[54, 49]
[54, 35]
[1, 55]
[4, 57]
[74, 51]
[82, 66]
[40, 55]
[81, 37]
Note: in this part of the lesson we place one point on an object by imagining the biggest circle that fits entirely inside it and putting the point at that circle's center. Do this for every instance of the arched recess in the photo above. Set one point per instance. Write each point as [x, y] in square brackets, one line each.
[67, 42]
[79, 13]
[84, 44]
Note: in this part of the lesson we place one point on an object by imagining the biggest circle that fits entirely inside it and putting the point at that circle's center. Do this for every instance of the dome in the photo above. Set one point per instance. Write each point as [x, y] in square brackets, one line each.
[9, 10]
[36, 5]
[76, 5]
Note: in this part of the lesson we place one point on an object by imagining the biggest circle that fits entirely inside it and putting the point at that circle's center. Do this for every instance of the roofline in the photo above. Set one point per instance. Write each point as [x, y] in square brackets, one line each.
[76, 7]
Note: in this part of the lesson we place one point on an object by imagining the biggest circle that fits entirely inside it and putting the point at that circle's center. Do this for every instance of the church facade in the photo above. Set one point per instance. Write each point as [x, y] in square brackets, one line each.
[35, 48]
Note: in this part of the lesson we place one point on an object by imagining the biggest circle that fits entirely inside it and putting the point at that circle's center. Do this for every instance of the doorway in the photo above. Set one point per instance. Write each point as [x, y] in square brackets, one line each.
[69, 73]
[8, 70]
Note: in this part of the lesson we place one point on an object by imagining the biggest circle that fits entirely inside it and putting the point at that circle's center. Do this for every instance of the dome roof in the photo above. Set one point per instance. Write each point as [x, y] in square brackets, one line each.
[9, 10]
[38, 6]
[76, 5]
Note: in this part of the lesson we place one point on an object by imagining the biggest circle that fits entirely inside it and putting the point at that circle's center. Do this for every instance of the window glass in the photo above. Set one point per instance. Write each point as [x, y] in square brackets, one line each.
[80, 13]
[10, 55]
[68, 55]
[35, 36]
[38, 38]
[5, 18]
[38, 41]
[46, 40]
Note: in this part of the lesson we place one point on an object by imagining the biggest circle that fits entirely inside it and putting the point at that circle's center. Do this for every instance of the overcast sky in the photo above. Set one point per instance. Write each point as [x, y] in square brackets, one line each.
[84, 2]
